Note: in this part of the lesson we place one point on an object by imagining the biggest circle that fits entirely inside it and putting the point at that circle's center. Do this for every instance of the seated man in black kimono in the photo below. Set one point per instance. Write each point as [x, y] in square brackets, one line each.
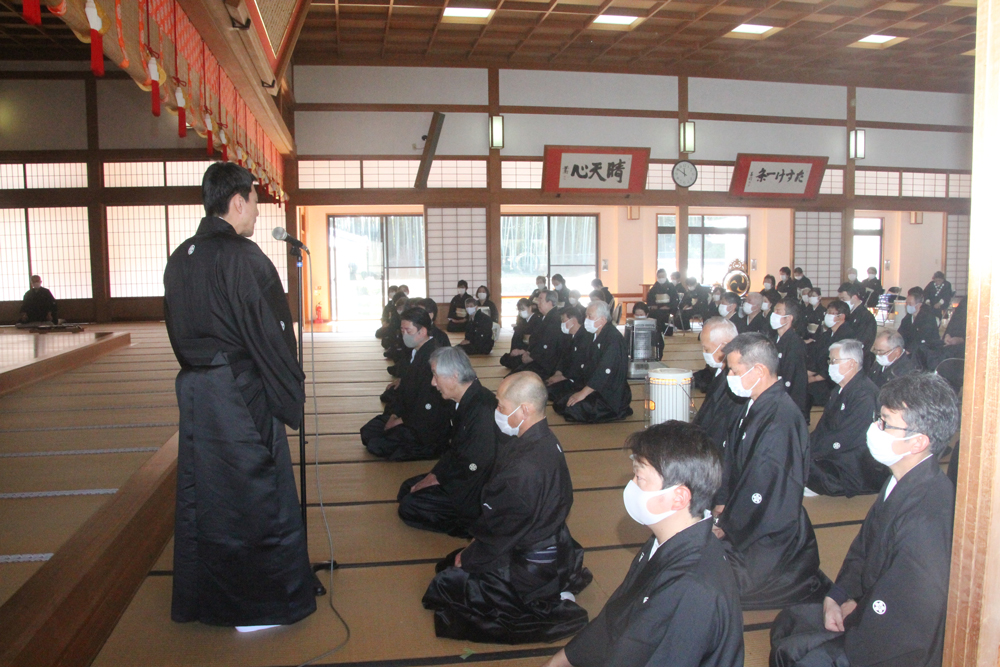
[526, 324]
[430, 305]
[570, 375]
[457, 317]
[889, 603]
[841, 464]
[891, 359]
[862, 321]
[837, 329]
[951, 344]
[920, 326]
[770, 541]
[792, 355]
[387, 311]
[446, 499]
[721, 408]
[38, 304]
[606, 395]
[661, 300]
[516, 582]
[547, 342]
[478, 331]
[678, 605]
[416, 418]
[696, 304]
[752, 316]
[938, 295]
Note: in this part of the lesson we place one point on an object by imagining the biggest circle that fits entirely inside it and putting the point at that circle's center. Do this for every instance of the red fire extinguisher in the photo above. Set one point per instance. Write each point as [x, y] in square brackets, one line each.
[319, 314]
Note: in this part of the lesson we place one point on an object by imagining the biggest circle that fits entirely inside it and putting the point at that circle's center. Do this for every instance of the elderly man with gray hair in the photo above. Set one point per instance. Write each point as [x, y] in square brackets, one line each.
[891, 359]
[605, 395]
[841, 464]
[447, 499]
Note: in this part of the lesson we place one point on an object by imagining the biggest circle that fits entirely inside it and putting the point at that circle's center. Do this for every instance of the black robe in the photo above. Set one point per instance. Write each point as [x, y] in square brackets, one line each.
[573, 366]
[772, 296]
[661, 301]
[919, 329]
[678, 608]
[490, 308]
[440, 336]
[545, 345]
[938, 298]
[897, 570]
[523, 330]
[456, 311]
[453, 504]
[773, 548]
[792, 367]
[562, 296]
[39, 306]
[873, 290]
[864, 325]
[904, 365]
[720, 411]
[240, 555]
[479, 333]
[696, 303]
[606, 373]
[758, 324]
[841, 463]
[522, 556]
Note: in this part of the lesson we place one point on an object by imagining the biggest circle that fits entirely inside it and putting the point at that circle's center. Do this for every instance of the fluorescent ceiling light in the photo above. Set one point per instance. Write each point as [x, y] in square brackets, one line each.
[467, 12]
[615, 19]
[876, 39]
[752, 29]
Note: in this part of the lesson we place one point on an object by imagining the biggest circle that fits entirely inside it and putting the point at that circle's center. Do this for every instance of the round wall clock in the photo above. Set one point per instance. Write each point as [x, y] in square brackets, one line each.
[684, 173]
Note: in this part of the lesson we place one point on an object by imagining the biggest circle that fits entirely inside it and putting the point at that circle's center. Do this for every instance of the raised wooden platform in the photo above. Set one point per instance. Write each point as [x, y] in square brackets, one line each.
[40, 364]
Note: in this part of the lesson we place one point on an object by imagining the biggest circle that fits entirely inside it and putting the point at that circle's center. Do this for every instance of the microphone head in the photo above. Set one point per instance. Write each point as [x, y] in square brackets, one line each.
[279, 233]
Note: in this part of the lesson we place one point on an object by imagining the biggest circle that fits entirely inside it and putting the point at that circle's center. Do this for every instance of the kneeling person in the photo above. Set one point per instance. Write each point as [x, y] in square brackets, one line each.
[606, 395]
[478, 330]
[679, 604]
[569, 377]
[515, 582]
[446, 500]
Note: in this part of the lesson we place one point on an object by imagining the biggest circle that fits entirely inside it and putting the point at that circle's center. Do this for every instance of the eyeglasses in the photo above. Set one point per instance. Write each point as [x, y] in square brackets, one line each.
[883, 353]
[882, 426]
[836, 361]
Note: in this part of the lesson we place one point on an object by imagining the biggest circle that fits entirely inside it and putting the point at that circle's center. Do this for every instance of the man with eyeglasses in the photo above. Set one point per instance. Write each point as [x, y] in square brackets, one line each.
[889, 603]
[891, 359]
[841, 464]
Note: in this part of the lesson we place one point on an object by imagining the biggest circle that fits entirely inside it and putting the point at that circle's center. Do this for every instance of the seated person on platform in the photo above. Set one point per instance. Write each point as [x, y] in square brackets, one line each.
[457, 316]
[640, 311]
[721, 408]
[729, 306]
[608, 297]
[559, 287]
[952, 342]
[767, 533]
[889, 603]
[416, 418]
[387, 310]
[891, 359]
[574, 303]
[852, 277]
[812, 318]
[873, 288]
[861, 320]
[546, 344]
[841, 463]
[446, 500]
[478, 332]
[785, 287]
[837, 329]
[430, 305]
[937, 295]
[920, 326]
[483, 302]
[752, 316]
[527, 323]
[802, 284]
[661, 300]
[570, 375]
[606, 395]
[678, 605]
[392, 337]
[792, 355]
[769, 292]
[38, 304]
[696, 304]
[675, 280]
[516, 582]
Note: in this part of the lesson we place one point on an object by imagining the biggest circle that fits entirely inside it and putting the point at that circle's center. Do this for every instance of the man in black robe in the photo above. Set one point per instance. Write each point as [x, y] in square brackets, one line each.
[516, 582]
[952, 342]
[661, 300]
[446, 499]
[770, 541]
[890, 600]
[457, 317]
[792, 355]
[545, 347]
[873, 288]
[570, 376]
[841, 464]
[430, 305]
[919, 327]
[679, 604]
[606, 395]
[416, 419]
[811, 322]
[938, 295]
[891, 359]
[696, 304]
[801, 283]
[478, 330]
[752, 316]
[837, 329]
[527, 323]
[38, 304]
[240, 554]
[721, 407]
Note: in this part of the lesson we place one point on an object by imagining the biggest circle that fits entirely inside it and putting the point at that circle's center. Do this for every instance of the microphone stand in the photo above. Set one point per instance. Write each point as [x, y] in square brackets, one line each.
[318, 587]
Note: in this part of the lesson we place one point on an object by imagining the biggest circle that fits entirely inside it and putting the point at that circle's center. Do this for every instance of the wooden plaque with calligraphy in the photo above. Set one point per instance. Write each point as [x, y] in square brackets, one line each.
[777, 176]
[594, 169]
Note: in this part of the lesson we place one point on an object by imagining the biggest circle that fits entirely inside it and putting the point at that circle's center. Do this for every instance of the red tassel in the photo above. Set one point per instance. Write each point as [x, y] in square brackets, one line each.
[209, 148]
[96, 53]
[182, 130]
[32, 12]
[225, 153]
[156, 98]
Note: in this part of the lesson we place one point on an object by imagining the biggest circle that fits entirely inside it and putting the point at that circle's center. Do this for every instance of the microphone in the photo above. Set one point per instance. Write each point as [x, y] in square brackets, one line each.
[280, 234]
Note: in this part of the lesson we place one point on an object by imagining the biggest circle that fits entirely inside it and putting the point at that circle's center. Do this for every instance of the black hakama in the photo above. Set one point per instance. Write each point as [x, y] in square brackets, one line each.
[607, 374]
[573, 366]
[479, 334]
[793, 367]
[546, 346]
[523, 330]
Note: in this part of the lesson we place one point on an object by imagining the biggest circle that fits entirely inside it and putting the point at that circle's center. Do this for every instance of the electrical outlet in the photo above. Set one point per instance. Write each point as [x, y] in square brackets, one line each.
[604, 265]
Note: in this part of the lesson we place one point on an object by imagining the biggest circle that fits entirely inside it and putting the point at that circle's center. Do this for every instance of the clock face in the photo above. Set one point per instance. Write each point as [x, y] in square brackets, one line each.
[684, 174]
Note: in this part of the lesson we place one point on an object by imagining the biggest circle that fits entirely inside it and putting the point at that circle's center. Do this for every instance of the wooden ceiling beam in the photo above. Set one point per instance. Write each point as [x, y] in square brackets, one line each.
[488, 24]
[437, 26]
[388, 21]
[684, 26]
[725, 31]
[576, 34]
[551, 6]
[654, 10]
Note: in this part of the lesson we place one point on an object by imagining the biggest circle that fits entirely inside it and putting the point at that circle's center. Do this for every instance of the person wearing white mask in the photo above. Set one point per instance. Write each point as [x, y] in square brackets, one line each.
[841, 464]
[852, 278]
[792, 353]
[837, 329]
[546, 344]
[812, 318]
[527, 323]
[523, 562]
[919, 327]
[770, 541]
[752, 315]
[873, 288]
[661, 300]
[769, 291]
[484, 303]
[861, 320]
[541, 283]
[457, 317]
[889, 603]
[891, 360]
[729, 305]
[679, 603]
[559, 287]
[697, 303]
[570, 375]
[606, 395]
[721, 408]
[479, 331]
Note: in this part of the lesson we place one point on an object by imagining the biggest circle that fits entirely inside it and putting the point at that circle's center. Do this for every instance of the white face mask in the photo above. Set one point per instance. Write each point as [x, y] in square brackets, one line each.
[768, 285]
[852, 276]
[409, 341]
[637, 503]
[639, 317]
[883, 360]
[736, 385]
[814, 301]
[784, 278]
[565, 327]
[462, 290]
[573, 301]
[776, 321]
[710, 358]
[540, 285]
[724, 310]
[590, 325]
[912, 310]
[835, 373]
[481, 296]
[470, 310]
[880, 445]
[766, 306]
[501, 420]
[662, 280]
[716, 297]
[525, 314]
[872, 276]
[747, 308]
[829, 320]
[556, 285]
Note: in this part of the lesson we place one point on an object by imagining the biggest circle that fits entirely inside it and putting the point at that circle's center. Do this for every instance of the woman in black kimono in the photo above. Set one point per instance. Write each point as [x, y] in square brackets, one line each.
[478, 330]
[483, 302]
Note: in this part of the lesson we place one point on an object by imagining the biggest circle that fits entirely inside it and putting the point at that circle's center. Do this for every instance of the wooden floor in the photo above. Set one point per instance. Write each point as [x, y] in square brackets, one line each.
[125, 403]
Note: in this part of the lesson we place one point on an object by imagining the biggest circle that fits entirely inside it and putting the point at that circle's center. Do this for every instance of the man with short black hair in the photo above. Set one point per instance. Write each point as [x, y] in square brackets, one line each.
[729, 306]
[891, 359]
[679, 603]
[546, 344]
[920, 326]
[38, 304]
[240, 553]
[861, 320]
[570, 375]
[478, 330]
[767, 532]
[890, 600]
[938, 295]
[457, 317]
[527, 324]
[661, 300]
[792, 354]
[837, 329]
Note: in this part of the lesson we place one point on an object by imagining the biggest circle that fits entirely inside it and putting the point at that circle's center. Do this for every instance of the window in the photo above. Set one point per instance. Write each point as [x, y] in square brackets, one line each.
[957, 253]
[713, 178]
[659, 177]
[518, 174]
[14, 270]
[867, 244]
[329, 174]
[542, 245]
[714, 241]
[11, 176]
[56, 175]
[833, 182]
[187, 173]
[876, 183]
[133, 175]
[137, 250]
[666, 243]
[390, 173]
[59, 239]
[457, 174]
[817, 248]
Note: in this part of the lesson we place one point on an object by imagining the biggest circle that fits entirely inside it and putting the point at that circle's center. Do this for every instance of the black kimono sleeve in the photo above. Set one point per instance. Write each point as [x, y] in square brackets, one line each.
[508, 513]
[609, 367]
[470, 456]
[479, 333]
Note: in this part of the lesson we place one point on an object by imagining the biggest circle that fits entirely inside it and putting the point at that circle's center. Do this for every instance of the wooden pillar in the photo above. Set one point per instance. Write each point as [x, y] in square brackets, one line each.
[100, 270]
[681, 240]
[847, 221]
[973, 632]
[494, 185]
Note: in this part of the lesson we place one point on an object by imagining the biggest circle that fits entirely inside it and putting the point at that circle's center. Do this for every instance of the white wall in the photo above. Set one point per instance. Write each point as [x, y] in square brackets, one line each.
[125, 120]
[388, 133]
[722, 140]
[588, 90]
[914, 251]
[909, 148]
[42, 115]
[390, 85]
[527, 134]
[910, 106]
[763, 98]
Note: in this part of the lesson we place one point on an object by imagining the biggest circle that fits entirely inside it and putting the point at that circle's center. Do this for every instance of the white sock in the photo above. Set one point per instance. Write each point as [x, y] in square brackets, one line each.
[253, 628]
[566, 595]
[809, 493]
